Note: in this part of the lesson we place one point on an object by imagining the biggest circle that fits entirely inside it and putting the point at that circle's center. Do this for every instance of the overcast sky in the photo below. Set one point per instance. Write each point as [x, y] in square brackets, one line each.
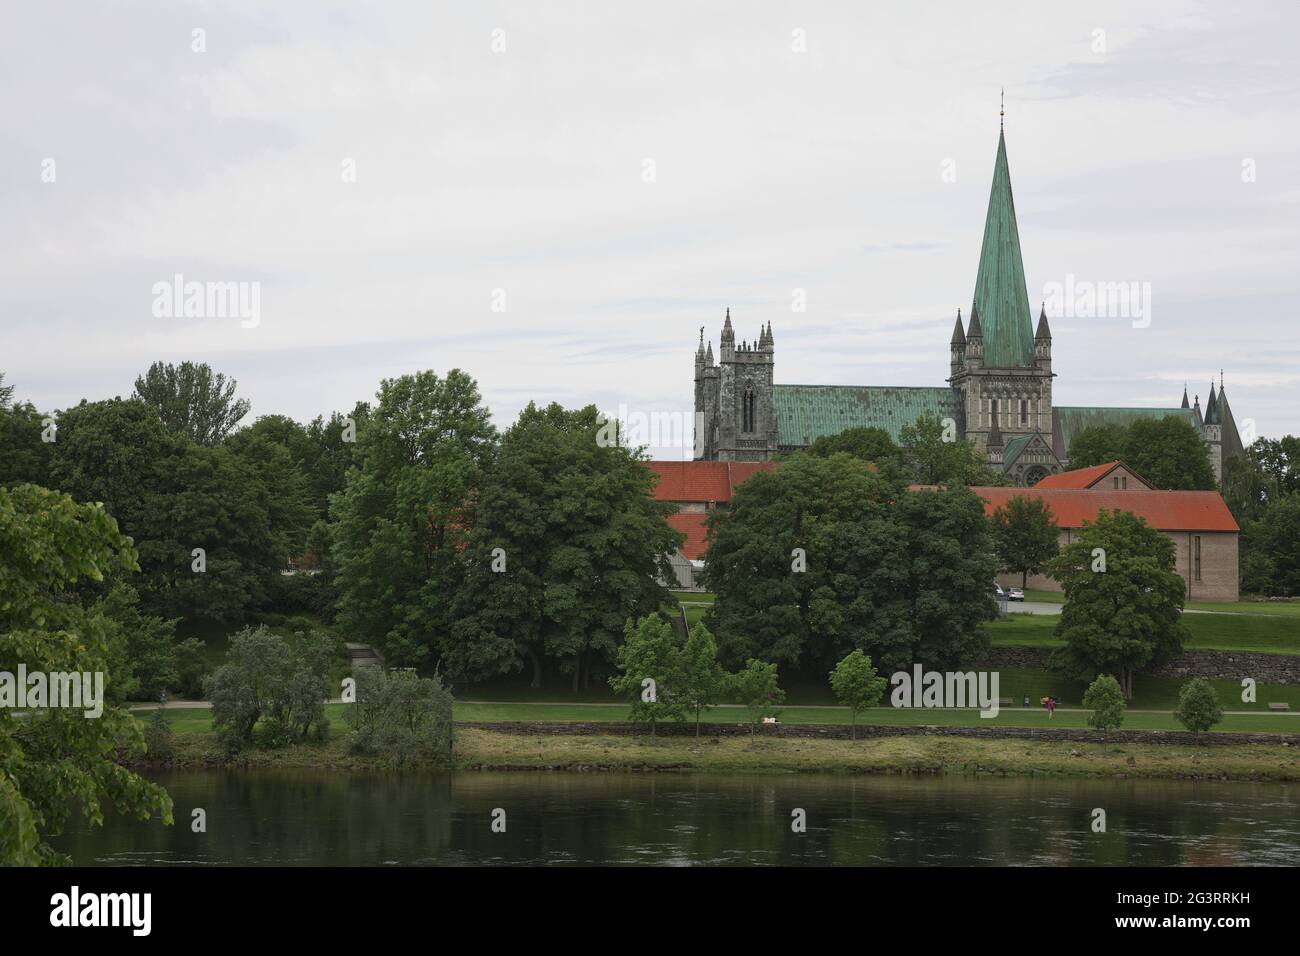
[626, 172]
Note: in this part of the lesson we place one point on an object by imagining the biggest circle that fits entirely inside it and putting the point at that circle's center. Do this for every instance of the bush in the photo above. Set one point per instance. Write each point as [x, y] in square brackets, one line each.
[399, 714]
[1105, 699]
[191, 667]
[158, 735]
[266, 677]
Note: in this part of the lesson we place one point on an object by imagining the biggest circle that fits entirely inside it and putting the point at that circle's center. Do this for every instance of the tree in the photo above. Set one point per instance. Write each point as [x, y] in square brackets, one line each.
[192, 400]
[24, 456]
[824, 556]
[1271, 549]
[567, 544]
[1123, 600]
[55, 760]
[1106, 701]
[173, 496]
[757, 689]
[856, 685]
[703, 681]
[938, 457]
[1098, 445]
[399, 525]
[1168, 452]
[264, 676]
[1025, 535]
[400, 715]
[6, 393]
[651, 676]
[1198, 706]
[874, 445]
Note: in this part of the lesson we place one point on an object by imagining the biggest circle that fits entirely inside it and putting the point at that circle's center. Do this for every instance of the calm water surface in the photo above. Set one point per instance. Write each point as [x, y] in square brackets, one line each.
[280, 817]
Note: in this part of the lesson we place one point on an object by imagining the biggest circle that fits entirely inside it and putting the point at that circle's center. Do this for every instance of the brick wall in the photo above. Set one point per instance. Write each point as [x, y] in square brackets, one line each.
[1218, 580]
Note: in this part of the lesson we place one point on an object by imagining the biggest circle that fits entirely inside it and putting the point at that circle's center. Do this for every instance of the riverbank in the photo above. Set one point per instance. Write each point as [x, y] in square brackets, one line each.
[481, 748]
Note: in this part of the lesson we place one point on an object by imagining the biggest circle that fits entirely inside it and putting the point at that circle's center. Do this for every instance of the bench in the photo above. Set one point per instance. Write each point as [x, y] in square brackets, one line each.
[1006, 702]
[1282, 706]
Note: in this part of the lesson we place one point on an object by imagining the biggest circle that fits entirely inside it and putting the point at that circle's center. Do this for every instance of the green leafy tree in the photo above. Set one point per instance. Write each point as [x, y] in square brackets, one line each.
[1271, 549]
[651, 676]
[567, 544]
[823, 556]
[1279, 459]
[6, 392]
[1198, 706]
[1105, 699]
[54, 761]
[869, 444]
[703, 681]
[173, 496]
[24, 457]
[264, 676]
[399, 525]
[1098, 445]
[857, 686]
[400, 715]
[938, 456]
[1025, 535]
[1123, 600]
[1168, 452]
[192, 400]
[141, 646]
[756, 686]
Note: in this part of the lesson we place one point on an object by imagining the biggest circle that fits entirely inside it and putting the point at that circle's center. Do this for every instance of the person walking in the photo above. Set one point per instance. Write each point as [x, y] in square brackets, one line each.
[1051, 707]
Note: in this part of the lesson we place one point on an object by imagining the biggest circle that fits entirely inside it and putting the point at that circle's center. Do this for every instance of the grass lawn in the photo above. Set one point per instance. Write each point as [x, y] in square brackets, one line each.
[193, 720]
[1264, 634]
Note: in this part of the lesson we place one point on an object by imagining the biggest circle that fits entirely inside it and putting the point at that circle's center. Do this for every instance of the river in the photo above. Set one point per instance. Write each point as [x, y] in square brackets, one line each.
[295, 817]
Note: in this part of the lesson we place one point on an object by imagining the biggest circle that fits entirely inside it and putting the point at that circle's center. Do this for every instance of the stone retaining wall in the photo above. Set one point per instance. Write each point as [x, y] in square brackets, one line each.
[844, 732]
[1228, 665]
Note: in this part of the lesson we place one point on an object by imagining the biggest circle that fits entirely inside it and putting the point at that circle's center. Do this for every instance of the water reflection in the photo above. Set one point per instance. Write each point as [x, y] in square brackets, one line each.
[330, 818]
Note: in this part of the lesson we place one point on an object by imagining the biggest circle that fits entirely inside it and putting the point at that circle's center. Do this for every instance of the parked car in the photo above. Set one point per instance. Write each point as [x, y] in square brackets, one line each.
[1015, 594]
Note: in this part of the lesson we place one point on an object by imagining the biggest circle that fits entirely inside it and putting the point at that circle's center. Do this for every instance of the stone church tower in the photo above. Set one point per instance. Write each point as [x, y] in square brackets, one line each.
[733, 399]
[1000, 365]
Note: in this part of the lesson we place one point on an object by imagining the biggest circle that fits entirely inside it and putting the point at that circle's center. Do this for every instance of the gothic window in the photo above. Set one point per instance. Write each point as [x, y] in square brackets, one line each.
[993, 410]
[1024, 411]
[748, 410]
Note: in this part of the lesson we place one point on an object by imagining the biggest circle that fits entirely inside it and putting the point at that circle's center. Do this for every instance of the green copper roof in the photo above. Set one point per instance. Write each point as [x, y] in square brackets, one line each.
[805, 413]
[1000, 296]
[1069, 421]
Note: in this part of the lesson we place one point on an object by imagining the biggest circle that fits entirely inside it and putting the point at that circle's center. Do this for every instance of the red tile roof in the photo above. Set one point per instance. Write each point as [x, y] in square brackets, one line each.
[1086, 477]
[1166, 510]
[691, 524]
[706, 481]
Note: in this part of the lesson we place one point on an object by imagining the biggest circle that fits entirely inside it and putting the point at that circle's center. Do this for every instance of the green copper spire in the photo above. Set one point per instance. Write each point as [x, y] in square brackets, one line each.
[1000, 295]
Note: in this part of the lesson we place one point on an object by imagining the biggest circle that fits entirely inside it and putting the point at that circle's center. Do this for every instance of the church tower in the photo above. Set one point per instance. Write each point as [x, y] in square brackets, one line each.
[1001, 366]
[733, 399]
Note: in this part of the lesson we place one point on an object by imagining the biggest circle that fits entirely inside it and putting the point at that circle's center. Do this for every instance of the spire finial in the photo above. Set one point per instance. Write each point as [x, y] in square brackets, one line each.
[1220, 379]
[1002, 110]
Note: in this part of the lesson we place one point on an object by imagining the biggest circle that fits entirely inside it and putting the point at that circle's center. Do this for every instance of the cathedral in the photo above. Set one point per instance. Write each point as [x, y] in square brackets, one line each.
[998, 395]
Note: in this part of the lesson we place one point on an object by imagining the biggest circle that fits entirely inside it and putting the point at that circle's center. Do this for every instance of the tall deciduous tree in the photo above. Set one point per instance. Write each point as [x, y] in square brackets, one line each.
[54, 760]
[757, 687]
[1123, 600]
[823, 556]
[567, 544]
[938, 455]
[1025, 535]
[703, 681]
[1198, 706]
[399, 525]
[192, 400]
[1168, 452]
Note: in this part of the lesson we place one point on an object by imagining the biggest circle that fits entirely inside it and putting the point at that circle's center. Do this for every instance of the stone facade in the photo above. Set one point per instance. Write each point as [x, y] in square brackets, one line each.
[998, 395]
